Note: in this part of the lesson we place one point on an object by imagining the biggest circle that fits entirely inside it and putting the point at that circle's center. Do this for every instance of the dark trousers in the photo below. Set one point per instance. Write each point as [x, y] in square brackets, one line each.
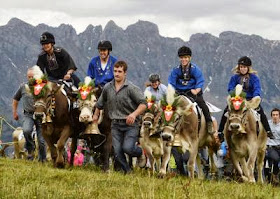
[180, 159]
[259, 110]
[200, 102]
[273, 155]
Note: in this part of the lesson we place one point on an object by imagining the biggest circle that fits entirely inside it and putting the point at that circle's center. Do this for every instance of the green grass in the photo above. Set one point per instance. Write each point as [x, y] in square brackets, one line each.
[22, 179]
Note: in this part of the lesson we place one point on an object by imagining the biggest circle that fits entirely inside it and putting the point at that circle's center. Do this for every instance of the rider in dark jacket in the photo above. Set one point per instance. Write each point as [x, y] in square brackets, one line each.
[55, 61]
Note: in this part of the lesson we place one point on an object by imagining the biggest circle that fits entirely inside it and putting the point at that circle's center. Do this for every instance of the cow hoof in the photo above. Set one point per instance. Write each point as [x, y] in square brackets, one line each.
[60, 165]
[161, 175]
[244, 179]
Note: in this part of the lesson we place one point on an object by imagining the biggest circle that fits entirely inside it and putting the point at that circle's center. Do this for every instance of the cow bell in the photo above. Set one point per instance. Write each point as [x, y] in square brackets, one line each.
[177, 141]
[48, 119]
[93, 136]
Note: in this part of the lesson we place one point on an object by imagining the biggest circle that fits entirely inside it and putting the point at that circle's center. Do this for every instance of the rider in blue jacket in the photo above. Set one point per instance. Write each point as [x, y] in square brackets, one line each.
[101, 67]
[246, 76]
[187, 79]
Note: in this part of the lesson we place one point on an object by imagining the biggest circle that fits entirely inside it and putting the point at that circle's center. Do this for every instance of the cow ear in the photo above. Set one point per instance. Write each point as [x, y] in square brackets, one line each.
[27, 88]
[228, 101]
[254, 102]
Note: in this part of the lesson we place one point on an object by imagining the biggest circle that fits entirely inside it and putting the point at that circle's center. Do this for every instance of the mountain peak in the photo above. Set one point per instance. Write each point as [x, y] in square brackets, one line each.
[15, 22]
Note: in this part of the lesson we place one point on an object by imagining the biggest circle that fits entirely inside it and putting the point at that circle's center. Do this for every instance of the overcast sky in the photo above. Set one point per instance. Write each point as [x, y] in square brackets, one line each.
[174, 18]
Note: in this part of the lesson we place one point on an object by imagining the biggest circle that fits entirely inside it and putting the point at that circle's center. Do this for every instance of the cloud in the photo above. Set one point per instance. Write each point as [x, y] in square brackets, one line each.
[174, 18]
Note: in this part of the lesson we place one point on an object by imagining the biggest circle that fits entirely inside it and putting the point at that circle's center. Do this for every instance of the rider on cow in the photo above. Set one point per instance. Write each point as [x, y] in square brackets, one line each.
[246, 76]
[101, 67]
[156, 87]
[187, 79]
[56, 61]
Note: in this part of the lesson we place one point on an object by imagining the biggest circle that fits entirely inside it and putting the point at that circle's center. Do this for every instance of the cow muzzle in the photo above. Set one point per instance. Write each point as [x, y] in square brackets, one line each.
[167, 137]
[86, 115]
[40, 116]
[148, 124]
[234, 127]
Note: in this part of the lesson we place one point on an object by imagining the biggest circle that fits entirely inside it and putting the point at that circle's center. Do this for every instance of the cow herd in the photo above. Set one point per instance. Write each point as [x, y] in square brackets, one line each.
[175, 121]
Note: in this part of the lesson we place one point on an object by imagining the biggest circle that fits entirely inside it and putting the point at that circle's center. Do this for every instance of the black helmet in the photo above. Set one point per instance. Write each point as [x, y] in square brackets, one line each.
[184, 50]
[47, 38]
[105, 45]
[246, 61]
[154, 77]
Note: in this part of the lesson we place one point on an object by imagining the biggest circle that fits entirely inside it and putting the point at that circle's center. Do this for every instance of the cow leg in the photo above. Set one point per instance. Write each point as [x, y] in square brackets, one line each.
[235, 161]
[73, 149]
[246, 170]
[107, 148]
[165, 160]
[192, 158]
[52, 149]
[213, 168]
[158, 163]
[251, 165]
[260, 163]
[60, 146]
[200, 169]
[151, 159]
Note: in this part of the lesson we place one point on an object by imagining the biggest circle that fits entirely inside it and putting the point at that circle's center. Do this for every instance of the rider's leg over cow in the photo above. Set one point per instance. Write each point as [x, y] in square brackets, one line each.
[264, 121]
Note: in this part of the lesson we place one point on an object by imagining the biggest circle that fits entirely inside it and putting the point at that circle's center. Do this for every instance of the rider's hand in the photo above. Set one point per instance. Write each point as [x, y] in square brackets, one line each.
[15, 115]
[130, 119]
[67, 76]
[194, 91]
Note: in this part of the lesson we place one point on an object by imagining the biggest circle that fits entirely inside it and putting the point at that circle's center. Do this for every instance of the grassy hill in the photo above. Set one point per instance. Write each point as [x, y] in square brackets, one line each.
[22, 179]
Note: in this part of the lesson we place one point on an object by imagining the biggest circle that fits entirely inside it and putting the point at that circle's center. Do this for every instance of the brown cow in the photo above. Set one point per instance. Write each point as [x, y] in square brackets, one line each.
[52, 108]
[245, 137]
[97, 142]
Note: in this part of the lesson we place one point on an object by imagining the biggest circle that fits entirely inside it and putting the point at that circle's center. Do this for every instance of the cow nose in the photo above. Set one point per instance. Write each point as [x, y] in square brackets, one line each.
[147, 124]
[166, 137]
[38, 115]
[235, 126]
[84, 118]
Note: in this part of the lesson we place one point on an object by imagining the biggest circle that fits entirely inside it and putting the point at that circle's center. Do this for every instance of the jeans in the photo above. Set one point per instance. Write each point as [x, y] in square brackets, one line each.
[28, 123]
[124, 141]
[180, 159]
[273, 155]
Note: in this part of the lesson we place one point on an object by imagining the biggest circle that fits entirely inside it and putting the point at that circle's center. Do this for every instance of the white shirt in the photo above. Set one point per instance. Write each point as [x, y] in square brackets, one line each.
[159, 92]
[103, 65]
[275, 128]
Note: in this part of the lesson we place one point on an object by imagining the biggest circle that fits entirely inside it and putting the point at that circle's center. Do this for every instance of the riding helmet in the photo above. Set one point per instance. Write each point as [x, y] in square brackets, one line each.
[154, 77]
[184, 50]
[104, 45]
[246, 61]
[47, 38]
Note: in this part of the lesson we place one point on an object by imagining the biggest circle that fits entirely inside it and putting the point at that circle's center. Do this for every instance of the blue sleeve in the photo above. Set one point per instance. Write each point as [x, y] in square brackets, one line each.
[199, 78]
[256, 86]
[172, 79]
[232, 84]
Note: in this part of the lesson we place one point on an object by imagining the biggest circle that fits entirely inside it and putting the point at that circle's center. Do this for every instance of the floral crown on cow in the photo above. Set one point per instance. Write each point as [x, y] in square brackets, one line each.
[151, 101]
[86, 89]
[237, 98]
[169, 104]
[38, 84]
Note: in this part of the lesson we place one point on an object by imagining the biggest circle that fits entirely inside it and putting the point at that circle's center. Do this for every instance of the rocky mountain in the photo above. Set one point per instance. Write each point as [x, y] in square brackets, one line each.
[145, 51]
